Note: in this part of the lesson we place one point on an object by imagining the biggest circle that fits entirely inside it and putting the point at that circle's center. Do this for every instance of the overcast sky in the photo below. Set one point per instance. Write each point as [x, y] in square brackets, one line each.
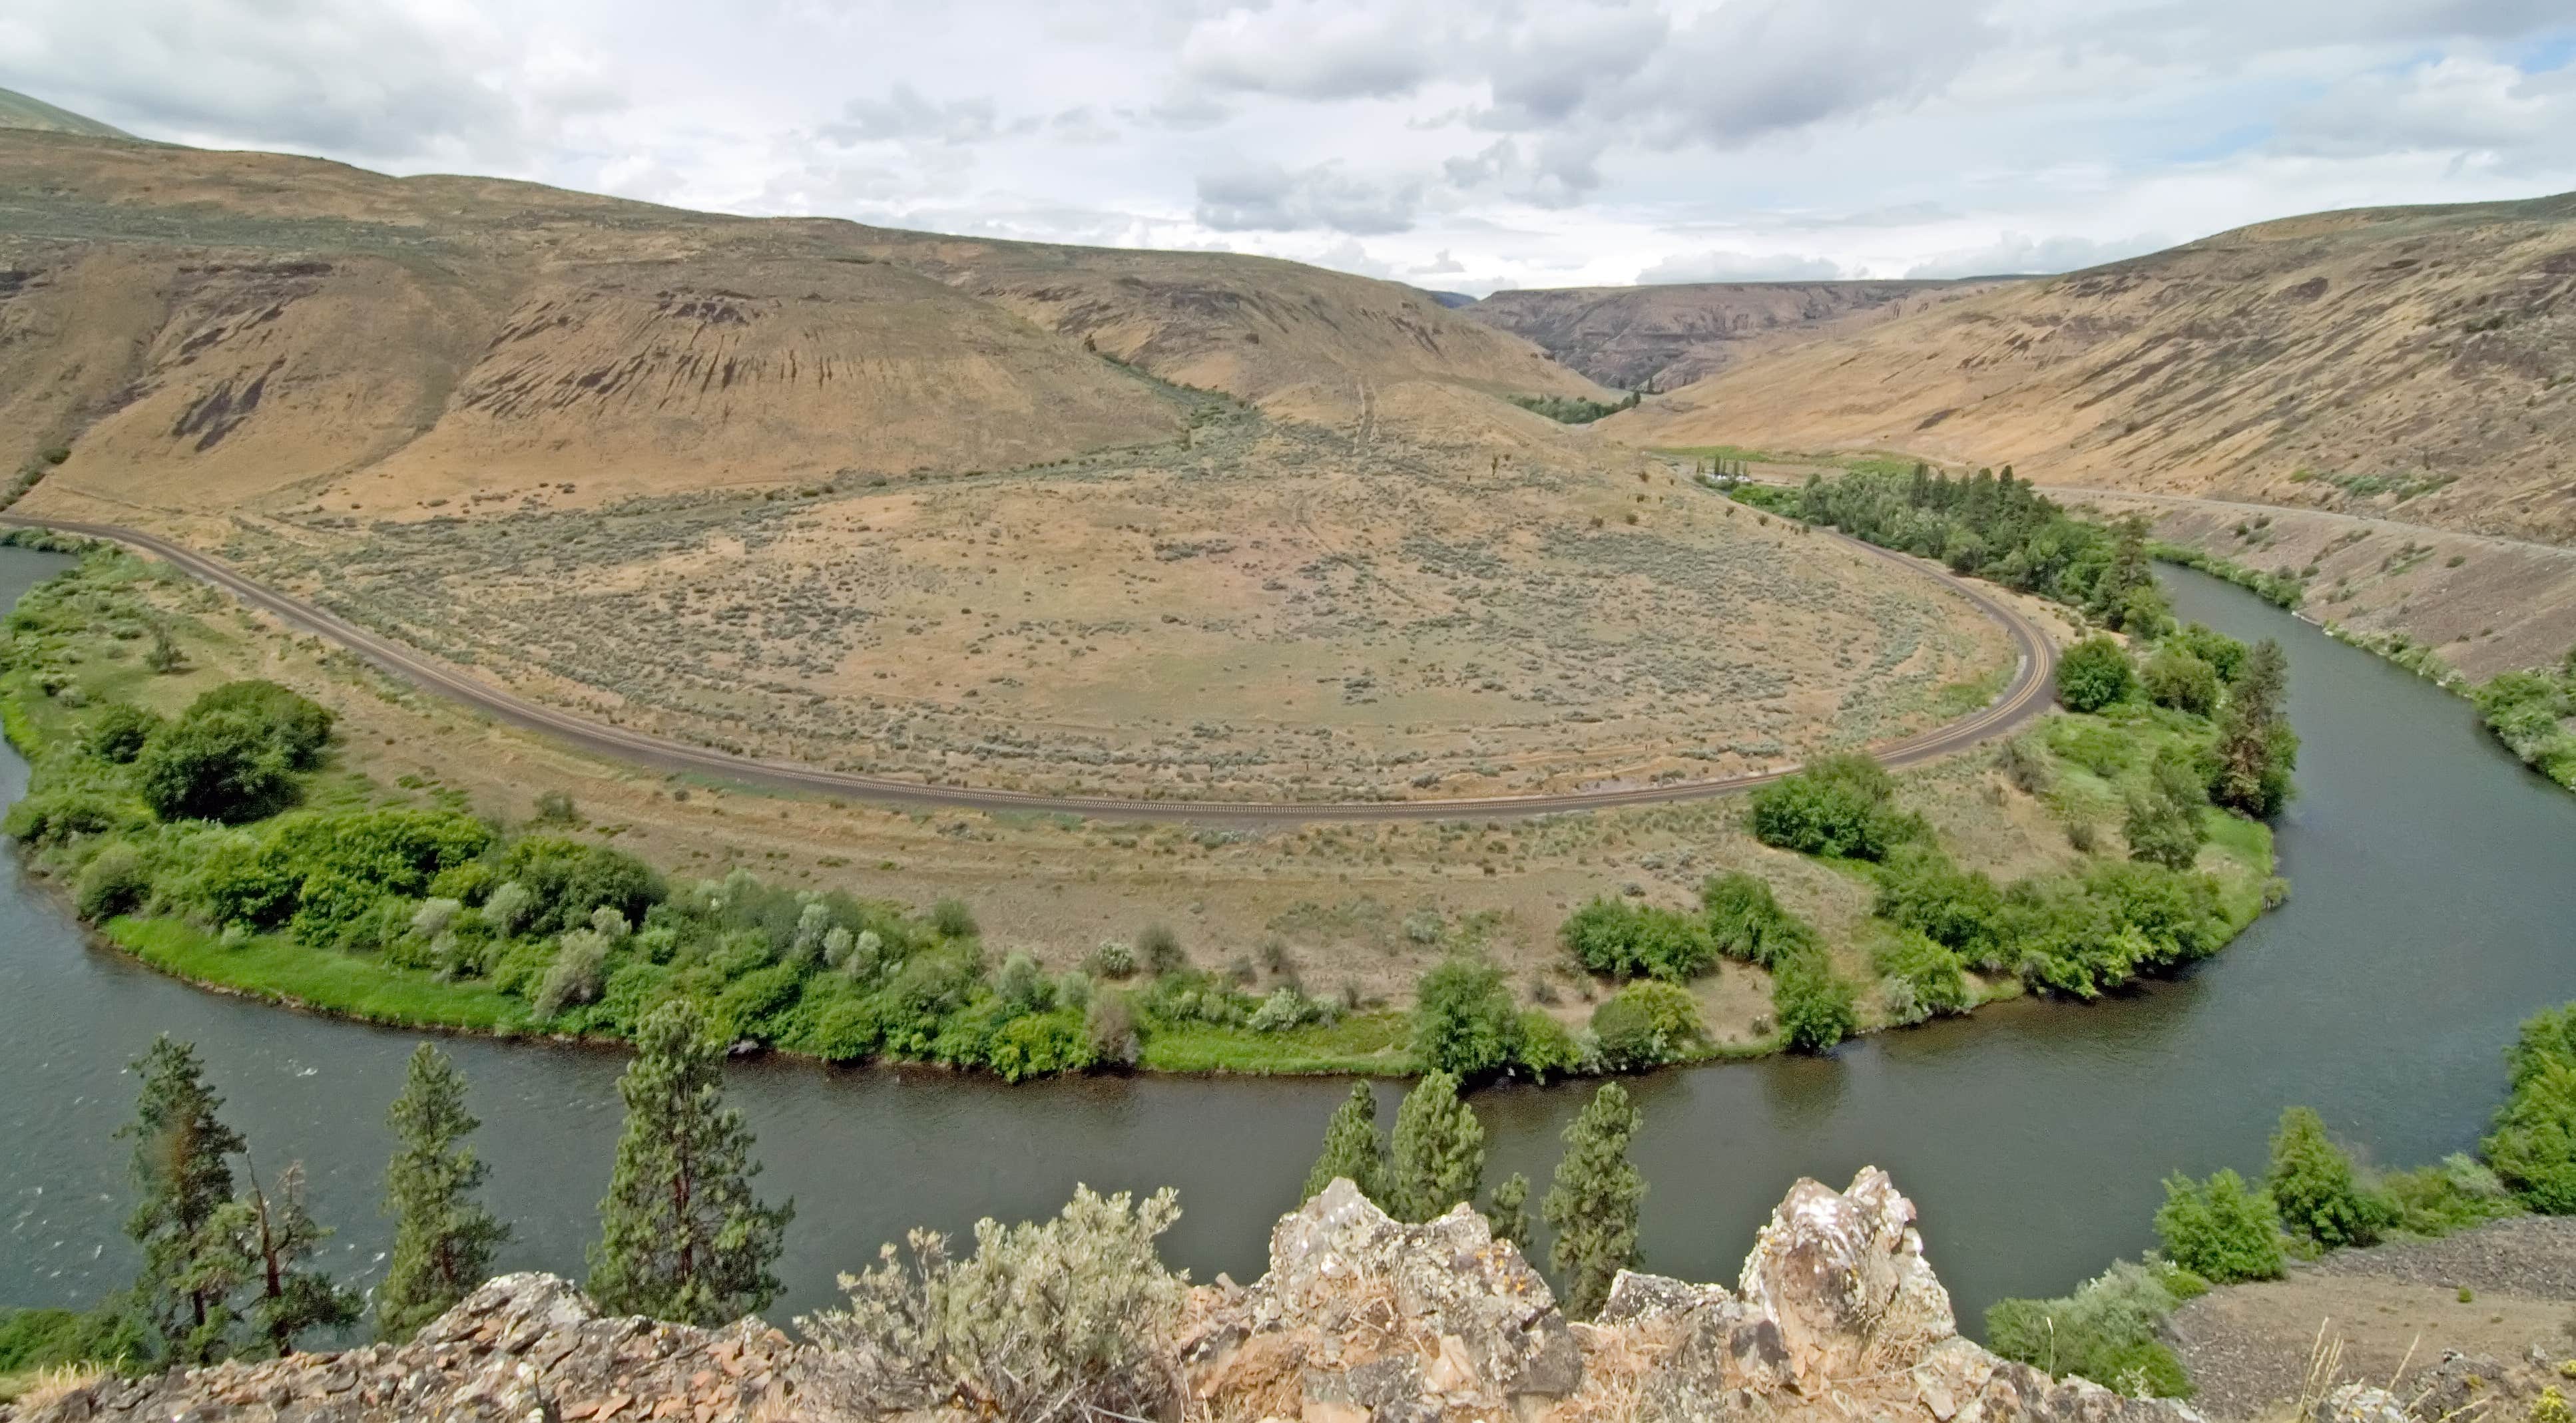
[1455, 146]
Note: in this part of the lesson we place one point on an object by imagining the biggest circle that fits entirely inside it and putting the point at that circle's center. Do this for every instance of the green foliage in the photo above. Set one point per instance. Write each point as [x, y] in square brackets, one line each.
[183, 1179]
[2311, 1183]
[1592, 1203]
[2533, 1143]
[1573, 409]
[1843, 805]
[2110, 1331]
[296, 728]
[1745, 921]
[1961, 910]
[2257, 750]
[218, 767]
[2530, 712]
[2454, 1194]
[32, 1339]
[1547, 1049]
[2164, 825]
[1508, 1211]
[444, 1238]
[2095, 673]
[1647, 1025]
[1620, 940]
[2176, 677]
[1924, 978]
[1994, 527]
[2224, 654]
[119, 733]
[1464, 1021]
[1814, 1006]
[567, 881]
[265, 1242]
[1351, 1148]
[1051, 1320]
[114, 882]
[682, 1236]
[2220, 1229]
[1436, 1157]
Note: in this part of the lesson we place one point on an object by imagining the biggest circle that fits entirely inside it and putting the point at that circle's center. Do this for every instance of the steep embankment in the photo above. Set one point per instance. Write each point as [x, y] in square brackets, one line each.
[2360, 361]
[1837, 1315]
[25, 112]
[1661, 337]
[212, 333]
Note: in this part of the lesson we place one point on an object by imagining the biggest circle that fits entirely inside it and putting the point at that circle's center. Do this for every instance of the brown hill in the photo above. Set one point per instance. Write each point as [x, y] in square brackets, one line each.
[26, 111]
[1666, 336]
[2423, 356]
[240, 332]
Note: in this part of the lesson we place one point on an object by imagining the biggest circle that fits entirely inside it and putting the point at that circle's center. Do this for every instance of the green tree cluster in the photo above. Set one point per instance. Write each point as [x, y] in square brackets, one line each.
[2532, 1145]
[1844, 806]
[2257, 750]
[2220, 1229]
[2095, 673]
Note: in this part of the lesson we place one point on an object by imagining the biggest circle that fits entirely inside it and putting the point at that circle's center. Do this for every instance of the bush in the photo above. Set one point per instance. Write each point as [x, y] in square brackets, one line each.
[1647, 1025]
[1841, 806]
[32, 1339]
[576, 975]
[1463, 1020]
[113, 882]
[2311, 1183]
[1113, 959]
[119, 733]
[299, 729]
[1547, 1049]
[1745, 922]
[1961, 910]
[1621, 940]
[2175, 678]
[2224, 654]
[216, 767]
[1069, 1317]
[2454, 1195]
[1924, 979]
[2220, 1229]
[567, 880]
[1814, 1006]
[1110, 1025]
[2094, 674]
[2164, 826]
[2533, 1145]
[1040, 1045]
[1162, 950]
[2110, 1331]
[951, 919]
[47, 819]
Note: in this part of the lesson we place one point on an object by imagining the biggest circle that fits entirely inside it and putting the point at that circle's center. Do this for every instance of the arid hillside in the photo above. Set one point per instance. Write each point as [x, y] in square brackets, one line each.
[203, 333]
[1668, 336]
[20, 111]
[2358, 361]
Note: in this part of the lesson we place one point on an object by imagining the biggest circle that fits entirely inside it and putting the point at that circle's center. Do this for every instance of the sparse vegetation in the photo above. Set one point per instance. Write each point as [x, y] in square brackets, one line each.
[1574, 409]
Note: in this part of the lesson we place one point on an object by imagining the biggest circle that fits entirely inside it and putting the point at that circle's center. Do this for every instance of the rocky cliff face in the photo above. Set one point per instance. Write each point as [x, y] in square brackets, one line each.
[1359, 1320]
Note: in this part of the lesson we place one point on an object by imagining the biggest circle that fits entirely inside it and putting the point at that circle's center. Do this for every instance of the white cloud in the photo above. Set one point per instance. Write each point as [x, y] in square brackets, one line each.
[1273, 199]
[1740, 267]
[2014, 254]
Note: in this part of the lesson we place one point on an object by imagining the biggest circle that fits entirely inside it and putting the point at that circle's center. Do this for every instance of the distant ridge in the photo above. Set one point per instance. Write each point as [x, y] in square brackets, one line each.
[21, 111]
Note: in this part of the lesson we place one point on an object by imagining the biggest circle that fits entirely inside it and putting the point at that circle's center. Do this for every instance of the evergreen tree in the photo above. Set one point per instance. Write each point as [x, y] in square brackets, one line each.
[267, 1242]
[2164, 825]
[682, 1237]
[2257, 750]
[1351, 1148]
[1592, 1204]
[2311, 1182]
[1509, 1211]
[443, 1238]
[184, 1179]
[1438, 1156]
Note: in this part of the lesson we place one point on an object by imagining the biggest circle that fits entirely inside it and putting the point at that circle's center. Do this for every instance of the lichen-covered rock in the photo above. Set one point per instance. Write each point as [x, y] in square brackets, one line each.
[1361, 1319]
[2361, 1403]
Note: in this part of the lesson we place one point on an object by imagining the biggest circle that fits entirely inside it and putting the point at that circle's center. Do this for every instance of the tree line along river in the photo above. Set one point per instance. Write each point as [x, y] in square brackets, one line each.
[2433, 907]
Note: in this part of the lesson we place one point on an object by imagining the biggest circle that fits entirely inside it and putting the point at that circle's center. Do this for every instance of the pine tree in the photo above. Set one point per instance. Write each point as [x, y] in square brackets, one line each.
[1592, 1204]
[1351, 1148]
[2257, 750]
[682, 1237]
[1508, 1212]
[268, 1239]
[184, 1179]
[1438, 1155]
[443, 1238]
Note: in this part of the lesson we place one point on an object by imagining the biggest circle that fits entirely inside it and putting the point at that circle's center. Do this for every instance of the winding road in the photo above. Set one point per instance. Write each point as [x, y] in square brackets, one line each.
[2029, 693]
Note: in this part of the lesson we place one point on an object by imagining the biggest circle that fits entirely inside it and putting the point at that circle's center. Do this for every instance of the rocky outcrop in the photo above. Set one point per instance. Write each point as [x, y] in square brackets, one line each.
[1360, 1319]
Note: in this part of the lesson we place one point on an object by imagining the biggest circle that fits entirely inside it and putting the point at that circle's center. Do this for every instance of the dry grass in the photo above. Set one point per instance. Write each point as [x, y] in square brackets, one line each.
[42, 1388]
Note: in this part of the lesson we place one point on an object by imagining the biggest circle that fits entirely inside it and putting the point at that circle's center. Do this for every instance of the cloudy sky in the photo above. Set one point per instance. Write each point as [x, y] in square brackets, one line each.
[1453, 145]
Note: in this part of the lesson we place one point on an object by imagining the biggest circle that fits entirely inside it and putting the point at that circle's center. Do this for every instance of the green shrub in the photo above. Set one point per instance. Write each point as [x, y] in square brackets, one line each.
[222, 766]
[1843, 805]
[2533, 1144]
[1040, 1045]
[567, 880]
[2224, 654]
[1646, 1025]
[1920, 889]
[1620, 940]
[2175, 678]
[33, 1339]
[298, 728]
[2165, 826]
[2455, 1194]
[50, 818]
[1745, 921]
[114, 882]
[2093, 674]
[951, 919]
[2220, 1229]
[2311, 1183]
[119, 733]
[1162, 950]
[1924, 979]
[2110, 1331]
[1547, 1048]
[1814, 1006]
[1463, 1020]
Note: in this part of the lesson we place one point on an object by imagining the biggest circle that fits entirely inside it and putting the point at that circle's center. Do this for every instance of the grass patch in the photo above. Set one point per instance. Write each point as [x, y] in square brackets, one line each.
[276, 968]
[1374, 1044]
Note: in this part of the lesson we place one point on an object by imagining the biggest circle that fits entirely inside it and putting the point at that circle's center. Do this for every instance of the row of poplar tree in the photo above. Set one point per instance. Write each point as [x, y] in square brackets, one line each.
[228, 1260]
[1435, 1160]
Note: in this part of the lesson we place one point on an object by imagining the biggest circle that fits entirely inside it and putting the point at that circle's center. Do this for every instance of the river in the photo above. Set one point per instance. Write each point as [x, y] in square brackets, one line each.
[2434, 907]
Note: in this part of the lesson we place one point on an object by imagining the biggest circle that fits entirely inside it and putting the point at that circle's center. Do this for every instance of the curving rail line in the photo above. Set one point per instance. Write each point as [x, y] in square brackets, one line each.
[2028, 694]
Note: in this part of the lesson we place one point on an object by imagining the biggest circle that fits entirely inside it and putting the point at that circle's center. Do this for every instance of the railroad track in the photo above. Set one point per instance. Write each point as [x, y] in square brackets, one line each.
[2026, 696]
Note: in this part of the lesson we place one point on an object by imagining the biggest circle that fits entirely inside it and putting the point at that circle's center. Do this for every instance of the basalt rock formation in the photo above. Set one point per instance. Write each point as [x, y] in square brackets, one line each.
[1360, 1319]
